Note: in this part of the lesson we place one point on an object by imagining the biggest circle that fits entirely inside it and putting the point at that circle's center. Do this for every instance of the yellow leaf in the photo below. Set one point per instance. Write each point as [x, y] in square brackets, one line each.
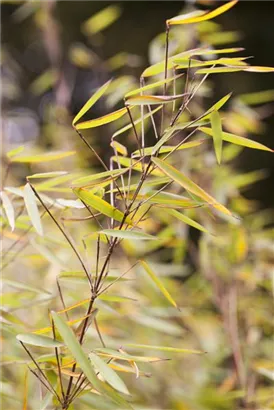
[105, 119]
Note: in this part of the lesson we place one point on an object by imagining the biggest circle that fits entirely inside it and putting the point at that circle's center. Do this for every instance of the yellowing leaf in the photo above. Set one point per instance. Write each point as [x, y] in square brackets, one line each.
[98, 122]
[167, 148]
[153, 85]
[235, 139]
[186, 220]
[32, 209]
[216, 125]
[47, 157]
[152, 99]
[97, 176]
[202, 16]
[218, 70]
[258, 69]
[51, 174]
[136, 166]
[189, 185]
[93, 99]
[158, 283]
[101, 205]
[9, 210]
[119, 148]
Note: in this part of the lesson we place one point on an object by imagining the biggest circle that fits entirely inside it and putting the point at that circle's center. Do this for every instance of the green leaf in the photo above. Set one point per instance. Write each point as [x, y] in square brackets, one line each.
[125, 356]
[136, 166]
[133, 234]
[260, 97]
[51, 174]
[167, 199]
[108, 374]
[165, 348]
[15, 151]
[158, 283]
[9, 210]
[216, 125]
[202, 16]
[167, 148]
[189, 185]
[101, 20]
[74, 346]
[152, 99]
[101, 205]
[105, 119]
[91, 102]
[23, 286]
[186, 220]
[95, 177]
[235, 139]
[38, 340]
[32, 209]
[47, 157]
[153, 85]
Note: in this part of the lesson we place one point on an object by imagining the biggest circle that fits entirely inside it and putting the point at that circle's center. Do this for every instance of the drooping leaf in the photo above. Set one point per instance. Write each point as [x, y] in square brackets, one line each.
[101, 205]
[189, 185]
[9, 210]
[158, 283]
[32, 209]
[93, 99]
[216, 125]
[98, 122]
[202, 16]
[186, 220]
[108, 374]
[47, 157]
[235, 139]
[38, 340]
[164, 348]
[128, 234]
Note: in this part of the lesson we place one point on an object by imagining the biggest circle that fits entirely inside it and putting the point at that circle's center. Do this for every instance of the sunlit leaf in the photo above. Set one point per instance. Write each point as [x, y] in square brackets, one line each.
[9, 210]
[95, 97]
[235, 139]
[98, 122]
[15, 151]
[218, 70]
[51, 174]
[189, 185]
[259, 69]
[216, 125]
[97, 176]
[168, 148]
[164, 348]
[38, 340]
[167, 199]
[47, 157]
[32, 209]
[101, 20]
[153, 85]
[152, 99]
[128, 234]
[108, 374]
[125, 356]
[158, 283]
[236, 61]
[119, 148]
[202, 16]
[136, 166]
[186, 220]
[100, 205]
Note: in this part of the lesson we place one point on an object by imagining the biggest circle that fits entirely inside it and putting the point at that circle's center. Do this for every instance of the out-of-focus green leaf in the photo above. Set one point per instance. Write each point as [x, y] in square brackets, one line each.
[9, 210]
[216, 125]
[47, 157]
[164, 348]
[121, 149]
[189, 185]
[259, 97]
[38, 340]
[101, 20]
[23, 286]
[128, 234]
[44, 81]
[107, 373]
[51, 174]
[235, 139]
[100, 205]
[15, 151]
[32, 209]
[158, 283]
[201, 16]
[93, 99]
[186, 220]
[98, 122]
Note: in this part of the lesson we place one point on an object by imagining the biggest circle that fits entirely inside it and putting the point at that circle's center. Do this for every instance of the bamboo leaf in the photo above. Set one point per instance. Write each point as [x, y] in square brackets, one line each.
[216, 125]
[153, 85]
[167, 148]
[189, 185]
[165, 348]
[202, 16]
[32, 209]
[235, 139]
[119, 148]
[15, 151]
[101, 205]
[9, 210]
[101, 20]
[95, 177]
[136, 166]
[51, 174]
[125, 356]
[108, 374]
[218, 70]
[186, 220]
[167, 199]
[93, 99]
[132, 235]
[259, 97]
[158, 283]
[38, 340]
[258, 69]
[105, 119]
[152, 99]
[47, 157]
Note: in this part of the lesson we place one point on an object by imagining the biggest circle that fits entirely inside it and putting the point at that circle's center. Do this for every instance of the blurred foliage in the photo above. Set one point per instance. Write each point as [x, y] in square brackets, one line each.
[128, 228]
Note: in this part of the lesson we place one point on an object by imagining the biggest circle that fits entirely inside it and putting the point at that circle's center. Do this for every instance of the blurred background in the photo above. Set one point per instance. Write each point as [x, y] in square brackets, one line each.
[49, 55]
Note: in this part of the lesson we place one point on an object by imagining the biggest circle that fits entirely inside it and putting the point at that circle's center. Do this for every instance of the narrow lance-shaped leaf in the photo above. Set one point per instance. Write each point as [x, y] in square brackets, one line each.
[108, 374]
[38, 340]
[164, 348]
[95, 97]
[97, 176]
[47, 157]
[101, 205]
[98, 122]
[237, 140]
[51, 174]
[216, 126]
[189, 185]
[153, 85]
[167, 148]
[128, 234]
[101, 20]
[9, 210]
[158, 283]
[32, 209]
[203, 16]
[15, 151]
[186, 220]
[119, 148]
[152, 99]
